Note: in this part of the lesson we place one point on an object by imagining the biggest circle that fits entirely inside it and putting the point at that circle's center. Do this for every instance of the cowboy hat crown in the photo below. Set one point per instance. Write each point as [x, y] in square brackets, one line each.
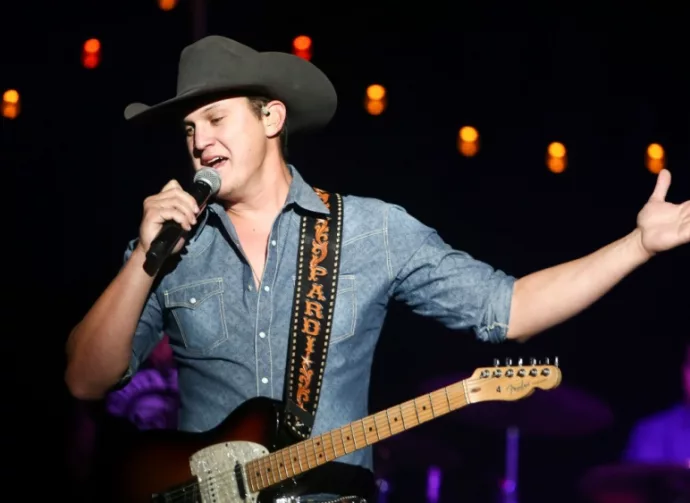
[216, 67]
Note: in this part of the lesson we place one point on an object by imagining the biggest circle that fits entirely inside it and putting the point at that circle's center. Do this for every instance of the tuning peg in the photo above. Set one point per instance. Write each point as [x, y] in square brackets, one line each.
[547, 361]
[555, 361]
[509, 362]
[520, 362]
[497, 363]
[532, 361]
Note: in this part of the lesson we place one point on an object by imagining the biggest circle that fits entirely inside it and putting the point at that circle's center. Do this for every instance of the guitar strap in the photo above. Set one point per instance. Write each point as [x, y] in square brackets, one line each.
[318, 261]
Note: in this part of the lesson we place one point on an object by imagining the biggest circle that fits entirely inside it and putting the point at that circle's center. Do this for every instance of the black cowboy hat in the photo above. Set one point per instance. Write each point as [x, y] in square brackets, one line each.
[216, 67]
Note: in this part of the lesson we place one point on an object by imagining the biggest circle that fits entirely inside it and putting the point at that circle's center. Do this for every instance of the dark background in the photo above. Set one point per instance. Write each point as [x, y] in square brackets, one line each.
[606, 83]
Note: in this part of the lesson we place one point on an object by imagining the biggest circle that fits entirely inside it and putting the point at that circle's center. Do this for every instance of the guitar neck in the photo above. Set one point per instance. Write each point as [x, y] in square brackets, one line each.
[311, 453]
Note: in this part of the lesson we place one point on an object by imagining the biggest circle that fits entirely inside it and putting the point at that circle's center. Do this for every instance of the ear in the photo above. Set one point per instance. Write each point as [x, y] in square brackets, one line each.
[274, 118]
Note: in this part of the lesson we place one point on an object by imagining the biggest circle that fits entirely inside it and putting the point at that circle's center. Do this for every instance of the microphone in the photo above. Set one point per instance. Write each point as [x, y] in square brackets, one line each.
[206, 185]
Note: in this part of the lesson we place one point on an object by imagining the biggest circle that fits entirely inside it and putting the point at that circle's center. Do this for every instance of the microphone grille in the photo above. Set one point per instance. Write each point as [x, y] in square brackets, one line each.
[210, 177]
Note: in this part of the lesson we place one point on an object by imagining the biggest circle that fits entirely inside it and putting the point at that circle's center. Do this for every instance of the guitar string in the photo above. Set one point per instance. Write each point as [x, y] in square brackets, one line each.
[181, 494]
[264, 462]
[261, 464]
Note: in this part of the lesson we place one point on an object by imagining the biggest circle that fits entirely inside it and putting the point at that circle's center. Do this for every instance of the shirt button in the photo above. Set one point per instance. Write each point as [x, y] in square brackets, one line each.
[266, 288]
[264, 380]
[262, 334]
[249, 287]
[273, 243]
[192, 300]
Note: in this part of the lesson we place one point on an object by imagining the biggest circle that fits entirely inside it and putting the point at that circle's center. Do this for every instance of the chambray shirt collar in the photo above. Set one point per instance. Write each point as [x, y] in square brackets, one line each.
[300, 194]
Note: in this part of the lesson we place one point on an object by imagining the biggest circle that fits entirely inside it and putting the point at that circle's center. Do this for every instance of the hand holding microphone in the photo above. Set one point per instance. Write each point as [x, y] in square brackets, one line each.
[171, 214]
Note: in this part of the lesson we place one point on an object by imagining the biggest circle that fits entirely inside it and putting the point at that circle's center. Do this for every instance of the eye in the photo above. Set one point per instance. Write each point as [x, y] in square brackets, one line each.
[216, 120]
[189, 131]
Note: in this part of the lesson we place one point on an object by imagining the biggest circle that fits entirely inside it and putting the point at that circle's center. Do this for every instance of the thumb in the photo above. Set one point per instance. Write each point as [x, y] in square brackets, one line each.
[663, 182]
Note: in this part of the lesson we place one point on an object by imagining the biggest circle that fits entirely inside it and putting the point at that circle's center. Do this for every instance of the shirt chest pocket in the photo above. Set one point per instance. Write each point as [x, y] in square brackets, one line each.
[345, 312]
[198, 311]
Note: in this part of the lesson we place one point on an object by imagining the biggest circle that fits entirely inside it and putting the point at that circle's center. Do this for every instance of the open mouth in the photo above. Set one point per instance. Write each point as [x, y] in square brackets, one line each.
[215, 162]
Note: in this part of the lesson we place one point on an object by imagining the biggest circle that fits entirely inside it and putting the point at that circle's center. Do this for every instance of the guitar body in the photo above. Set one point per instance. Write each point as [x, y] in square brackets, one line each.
[163, 465]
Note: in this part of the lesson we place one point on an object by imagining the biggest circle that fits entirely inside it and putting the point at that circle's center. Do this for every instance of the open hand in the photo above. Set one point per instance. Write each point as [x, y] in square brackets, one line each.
[663, 225]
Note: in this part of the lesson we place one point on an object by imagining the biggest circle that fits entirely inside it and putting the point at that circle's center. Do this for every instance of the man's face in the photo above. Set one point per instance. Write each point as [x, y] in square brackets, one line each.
[227, 136]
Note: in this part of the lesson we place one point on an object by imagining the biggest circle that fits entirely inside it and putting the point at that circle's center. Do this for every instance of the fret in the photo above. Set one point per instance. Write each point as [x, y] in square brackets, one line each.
[397, 426]
[464, 394]
[390, 426]
[303, 456]
[450, 407]
[342, 439]
[251, 474]
[293, 458]
[262, 469]
[366, 430]
[404, 413]
[329, 445]
[283, 463]
[416, 411]
[249, 469]
[354, 437]
[299, 458]
[273, 468]
[431, 404]
[424, 403]
[359, 432]
[380, 422]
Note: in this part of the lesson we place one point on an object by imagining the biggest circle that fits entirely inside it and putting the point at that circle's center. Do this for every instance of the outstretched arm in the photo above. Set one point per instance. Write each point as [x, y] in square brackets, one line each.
[550, 296]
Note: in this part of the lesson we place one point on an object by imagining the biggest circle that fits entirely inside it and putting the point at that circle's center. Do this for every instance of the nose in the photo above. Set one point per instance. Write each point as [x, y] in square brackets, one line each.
[202, 140]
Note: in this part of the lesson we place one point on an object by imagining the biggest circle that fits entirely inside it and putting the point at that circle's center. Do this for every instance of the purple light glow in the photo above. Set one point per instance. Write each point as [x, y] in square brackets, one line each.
[433, 484]
[149, 401]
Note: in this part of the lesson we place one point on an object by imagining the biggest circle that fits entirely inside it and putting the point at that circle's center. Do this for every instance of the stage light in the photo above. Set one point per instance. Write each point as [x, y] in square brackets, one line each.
[468, 141]
[302, 47]
[556, 157]
[376, 100]
[91, 53]
[10, 104]
[655, 158]
[167, 4]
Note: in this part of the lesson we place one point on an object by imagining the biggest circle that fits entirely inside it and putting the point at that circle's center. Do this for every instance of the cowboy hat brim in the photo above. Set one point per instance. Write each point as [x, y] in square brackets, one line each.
[307, 93]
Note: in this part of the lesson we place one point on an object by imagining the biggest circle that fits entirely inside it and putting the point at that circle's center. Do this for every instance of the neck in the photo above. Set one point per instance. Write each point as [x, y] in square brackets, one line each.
[264, 194]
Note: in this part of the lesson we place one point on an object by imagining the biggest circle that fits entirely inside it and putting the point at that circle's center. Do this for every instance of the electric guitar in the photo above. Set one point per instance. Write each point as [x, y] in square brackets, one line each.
[242, 460]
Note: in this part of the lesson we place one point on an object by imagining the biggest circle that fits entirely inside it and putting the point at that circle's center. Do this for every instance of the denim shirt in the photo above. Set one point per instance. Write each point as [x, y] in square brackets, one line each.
[230, 340]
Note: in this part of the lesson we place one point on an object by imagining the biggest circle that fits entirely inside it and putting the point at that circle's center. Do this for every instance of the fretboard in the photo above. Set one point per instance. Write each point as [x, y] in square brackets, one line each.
[308, 454]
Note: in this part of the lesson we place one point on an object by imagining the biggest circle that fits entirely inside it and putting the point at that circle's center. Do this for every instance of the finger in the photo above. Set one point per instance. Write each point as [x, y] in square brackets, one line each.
[175, 197]
[166, 214]
[177, 191]
[172, 184]
[663, 182]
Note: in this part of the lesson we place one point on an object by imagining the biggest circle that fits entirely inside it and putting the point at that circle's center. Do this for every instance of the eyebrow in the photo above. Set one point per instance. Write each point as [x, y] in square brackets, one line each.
[204, 111]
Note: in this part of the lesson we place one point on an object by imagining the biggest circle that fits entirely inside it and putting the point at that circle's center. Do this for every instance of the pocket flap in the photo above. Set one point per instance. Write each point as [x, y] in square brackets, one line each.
[193, 294]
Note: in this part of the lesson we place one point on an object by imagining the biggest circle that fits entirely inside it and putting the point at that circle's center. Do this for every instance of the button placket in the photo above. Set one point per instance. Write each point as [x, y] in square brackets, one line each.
[265, 307]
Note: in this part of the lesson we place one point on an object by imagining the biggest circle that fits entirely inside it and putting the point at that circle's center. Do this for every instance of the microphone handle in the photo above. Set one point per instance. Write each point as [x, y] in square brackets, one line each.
[171, 232]
[163, 245]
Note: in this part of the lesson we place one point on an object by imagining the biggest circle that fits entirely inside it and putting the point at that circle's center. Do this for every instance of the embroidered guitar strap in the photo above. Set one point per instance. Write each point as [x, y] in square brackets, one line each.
[318, 261]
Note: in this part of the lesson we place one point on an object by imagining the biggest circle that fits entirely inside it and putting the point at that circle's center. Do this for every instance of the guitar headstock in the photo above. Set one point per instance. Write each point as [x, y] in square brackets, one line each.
[512, 382]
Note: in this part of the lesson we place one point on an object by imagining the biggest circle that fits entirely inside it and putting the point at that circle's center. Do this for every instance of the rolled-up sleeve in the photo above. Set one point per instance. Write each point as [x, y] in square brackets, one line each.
[149, 331]
[440, 282]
